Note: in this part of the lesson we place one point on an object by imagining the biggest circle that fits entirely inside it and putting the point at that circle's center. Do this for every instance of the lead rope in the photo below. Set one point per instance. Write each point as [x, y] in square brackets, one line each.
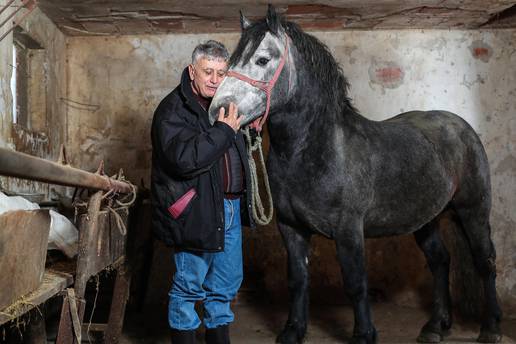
[258, 210]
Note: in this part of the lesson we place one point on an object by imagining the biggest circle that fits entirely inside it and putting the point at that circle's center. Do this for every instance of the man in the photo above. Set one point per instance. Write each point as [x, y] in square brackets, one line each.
[198, 191]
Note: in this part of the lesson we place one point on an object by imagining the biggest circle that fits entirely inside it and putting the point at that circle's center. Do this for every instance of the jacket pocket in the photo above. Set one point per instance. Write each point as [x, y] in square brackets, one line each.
[179, 206]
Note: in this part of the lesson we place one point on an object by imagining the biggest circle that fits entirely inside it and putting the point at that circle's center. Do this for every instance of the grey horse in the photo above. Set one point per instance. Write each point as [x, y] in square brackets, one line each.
[336, 173]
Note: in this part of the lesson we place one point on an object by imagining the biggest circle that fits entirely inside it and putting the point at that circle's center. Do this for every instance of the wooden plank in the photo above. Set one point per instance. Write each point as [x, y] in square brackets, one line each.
[23, 247]
[88, 238]
[116, 314]
[65, 332]
[53, 283]
[93, 327]
[107, 242]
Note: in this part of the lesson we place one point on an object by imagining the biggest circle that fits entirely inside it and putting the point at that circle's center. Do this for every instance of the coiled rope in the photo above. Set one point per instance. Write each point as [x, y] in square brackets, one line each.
[258, 210]
[111, 196]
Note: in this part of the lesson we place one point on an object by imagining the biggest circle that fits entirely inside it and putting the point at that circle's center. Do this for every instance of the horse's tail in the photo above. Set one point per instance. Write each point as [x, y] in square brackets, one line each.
[465, 286]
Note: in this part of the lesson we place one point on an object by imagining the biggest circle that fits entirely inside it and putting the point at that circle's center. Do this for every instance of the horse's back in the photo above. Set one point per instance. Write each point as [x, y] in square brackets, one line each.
[452, 137]
[423, 158]
[458, 146]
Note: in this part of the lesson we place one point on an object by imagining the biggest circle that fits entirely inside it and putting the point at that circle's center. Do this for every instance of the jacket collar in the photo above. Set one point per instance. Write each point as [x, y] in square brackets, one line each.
[189, 97]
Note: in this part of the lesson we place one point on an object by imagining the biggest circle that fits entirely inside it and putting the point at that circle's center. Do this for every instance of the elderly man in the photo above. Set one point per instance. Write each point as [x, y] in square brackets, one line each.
[200, 194]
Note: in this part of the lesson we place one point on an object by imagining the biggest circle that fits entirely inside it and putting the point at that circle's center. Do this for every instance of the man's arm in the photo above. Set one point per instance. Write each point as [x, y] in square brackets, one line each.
[189, 152]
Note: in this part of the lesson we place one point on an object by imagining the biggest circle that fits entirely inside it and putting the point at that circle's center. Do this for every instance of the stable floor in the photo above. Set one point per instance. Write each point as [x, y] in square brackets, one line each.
[259, 322]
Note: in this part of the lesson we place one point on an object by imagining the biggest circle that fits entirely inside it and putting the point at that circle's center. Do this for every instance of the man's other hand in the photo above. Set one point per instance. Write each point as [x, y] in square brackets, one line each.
[232, 119]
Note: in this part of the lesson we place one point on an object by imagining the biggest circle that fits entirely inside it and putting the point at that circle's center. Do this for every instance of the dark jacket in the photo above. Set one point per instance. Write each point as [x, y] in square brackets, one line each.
[186, 153]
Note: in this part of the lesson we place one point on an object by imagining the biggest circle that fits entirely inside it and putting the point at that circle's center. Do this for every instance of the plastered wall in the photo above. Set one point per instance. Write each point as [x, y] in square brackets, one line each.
[115, 83]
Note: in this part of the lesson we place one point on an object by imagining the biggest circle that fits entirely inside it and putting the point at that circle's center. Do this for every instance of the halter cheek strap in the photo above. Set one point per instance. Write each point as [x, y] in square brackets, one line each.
[265, 86]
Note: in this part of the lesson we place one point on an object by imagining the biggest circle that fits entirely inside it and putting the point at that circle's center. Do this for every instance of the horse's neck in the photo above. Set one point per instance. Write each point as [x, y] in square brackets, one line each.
[308, 120]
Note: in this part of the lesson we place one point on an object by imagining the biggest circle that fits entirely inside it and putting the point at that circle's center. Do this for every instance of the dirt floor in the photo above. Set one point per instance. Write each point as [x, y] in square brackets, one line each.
[258, 322]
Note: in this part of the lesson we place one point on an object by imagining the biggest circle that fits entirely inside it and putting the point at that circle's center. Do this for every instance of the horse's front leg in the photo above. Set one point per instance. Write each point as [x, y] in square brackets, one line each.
[297, 245]
[350, 252]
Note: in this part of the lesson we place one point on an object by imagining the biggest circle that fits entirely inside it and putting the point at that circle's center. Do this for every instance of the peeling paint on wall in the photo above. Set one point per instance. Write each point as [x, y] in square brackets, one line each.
[387, 74]
[30, 142]
[481, 51]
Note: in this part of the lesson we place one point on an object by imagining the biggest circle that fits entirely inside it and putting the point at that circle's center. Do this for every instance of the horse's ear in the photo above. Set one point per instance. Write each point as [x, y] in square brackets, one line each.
[244, 22]
[273, 20]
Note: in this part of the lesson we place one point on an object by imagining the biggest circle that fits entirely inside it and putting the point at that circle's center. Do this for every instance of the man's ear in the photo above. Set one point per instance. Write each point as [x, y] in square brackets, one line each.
[191, 71]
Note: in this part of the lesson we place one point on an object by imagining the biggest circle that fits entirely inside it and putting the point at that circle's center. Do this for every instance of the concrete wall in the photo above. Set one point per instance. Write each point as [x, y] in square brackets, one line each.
[115, 83]
[46, 133]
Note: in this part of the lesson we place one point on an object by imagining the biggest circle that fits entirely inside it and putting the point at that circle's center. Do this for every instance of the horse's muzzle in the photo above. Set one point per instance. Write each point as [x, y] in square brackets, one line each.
[215, 106]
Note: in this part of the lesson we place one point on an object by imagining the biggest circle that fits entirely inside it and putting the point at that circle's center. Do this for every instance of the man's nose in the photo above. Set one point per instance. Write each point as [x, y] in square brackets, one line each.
[215, 79]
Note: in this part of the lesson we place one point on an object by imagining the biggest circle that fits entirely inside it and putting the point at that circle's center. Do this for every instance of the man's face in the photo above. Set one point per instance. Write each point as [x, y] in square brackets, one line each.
[206, 76]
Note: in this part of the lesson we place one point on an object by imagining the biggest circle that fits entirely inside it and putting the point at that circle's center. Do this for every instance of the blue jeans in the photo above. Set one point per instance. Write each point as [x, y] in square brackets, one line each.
[213, 278]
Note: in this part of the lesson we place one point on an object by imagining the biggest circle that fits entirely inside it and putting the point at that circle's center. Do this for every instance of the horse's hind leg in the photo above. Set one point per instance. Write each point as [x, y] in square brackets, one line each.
[438, 259]
[475, 222]
[298, 246]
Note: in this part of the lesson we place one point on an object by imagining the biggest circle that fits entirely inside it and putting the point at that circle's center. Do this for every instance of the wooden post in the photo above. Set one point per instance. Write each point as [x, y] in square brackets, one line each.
[87, 245]
[117, 311]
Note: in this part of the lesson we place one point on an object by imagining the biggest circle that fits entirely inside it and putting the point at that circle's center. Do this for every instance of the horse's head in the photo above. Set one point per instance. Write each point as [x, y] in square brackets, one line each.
[260, 76]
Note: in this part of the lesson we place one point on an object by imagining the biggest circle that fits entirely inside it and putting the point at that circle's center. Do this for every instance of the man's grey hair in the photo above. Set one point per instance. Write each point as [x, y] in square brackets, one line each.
[212, 50]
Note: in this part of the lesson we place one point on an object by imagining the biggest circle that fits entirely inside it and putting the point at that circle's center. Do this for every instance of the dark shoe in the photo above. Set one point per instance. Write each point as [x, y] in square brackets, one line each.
[217, 335]
[182, 337]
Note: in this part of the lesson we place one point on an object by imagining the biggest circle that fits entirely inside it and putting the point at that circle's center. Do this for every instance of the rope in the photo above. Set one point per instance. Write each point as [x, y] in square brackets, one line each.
[123, 206]
[118, 219]
[258, 210]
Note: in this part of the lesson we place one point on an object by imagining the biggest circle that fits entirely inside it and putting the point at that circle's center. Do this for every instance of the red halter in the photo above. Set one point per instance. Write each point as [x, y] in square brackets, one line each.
[265, 86]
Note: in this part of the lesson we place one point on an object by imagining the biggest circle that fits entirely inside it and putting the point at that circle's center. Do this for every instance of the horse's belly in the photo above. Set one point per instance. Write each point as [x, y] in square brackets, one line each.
[403, 218]
[383, 231]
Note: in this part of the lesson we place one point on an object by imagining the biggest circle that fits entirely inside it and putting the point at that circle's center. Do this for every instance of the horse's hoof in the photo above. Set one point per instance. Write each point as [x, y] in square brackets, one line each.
[367, 338]
[434, 332]
[290, 335]
[429, 337]
[489, 337]
[286, 339]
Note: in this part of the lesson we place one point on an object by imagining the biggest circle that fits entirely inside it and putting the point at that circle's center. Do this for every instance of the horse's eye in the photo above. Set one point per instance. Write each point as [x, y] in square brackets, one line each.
[262, 61]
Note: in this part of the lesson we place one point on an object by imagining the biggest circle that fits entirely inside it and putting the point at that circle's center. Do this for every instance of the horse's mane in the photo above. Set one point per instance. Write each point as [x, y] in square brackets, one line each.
[315, 54]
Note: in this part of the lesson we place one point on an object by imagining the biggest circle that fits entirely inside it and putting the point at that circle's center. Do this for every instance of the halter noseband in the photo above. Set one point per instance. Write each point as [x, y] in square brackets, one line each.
[265, 86]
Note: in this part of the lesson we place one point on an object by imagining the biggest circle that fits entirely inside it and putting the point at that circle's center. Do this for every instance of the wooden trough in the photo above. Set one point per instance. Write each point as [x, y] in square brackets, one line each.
[23, 250]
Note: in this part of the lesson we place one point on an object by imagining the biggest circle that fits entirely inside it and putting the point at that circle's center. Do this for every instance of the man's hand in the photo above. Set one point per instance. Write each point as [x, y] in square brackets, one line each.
[232, 119]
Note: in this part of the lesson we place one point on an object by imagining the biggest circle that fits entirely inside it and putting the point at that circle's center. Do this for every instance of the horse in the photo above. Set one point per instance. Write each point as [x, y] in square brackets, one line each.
[336, 173]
